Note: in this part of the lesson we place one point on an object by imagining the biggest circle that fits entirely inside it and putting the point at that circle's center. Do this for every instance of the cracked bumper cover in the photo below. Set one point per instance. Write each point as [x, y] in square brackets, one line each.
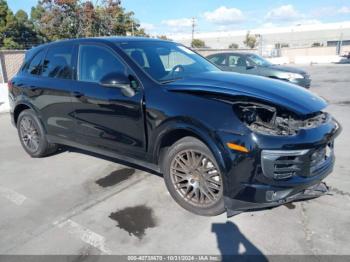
[235, 207]
[251, 184]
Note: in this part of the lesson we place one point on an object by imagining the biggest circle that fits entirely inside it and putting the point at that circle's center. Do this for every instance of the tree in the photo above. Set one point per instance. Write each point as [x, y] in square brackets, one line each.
[60, 19]
[26, 35]
[16, 31]
[9, 43]
[5, 14]
[198, 43]
[4, 10]
[78, 18]
[233, 46]
[163, 37]
[250, 40]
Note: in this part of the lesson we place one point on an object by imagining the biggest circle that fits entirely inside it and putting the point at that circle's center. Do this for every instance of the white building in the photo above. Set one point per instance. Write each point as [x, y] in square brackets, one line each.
[302, 35]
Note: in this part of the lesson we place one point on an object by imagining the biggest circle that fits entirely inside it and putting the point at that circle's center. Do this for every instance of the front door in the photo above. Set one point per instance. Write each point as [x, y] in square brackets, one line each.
[106, 118]
[237, 63]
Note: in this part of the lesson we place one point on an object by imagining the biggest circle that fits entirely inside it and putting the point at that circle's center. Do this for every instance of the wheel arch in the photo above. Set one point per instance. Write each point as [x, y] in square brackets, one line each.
[19, 108]
[175, 131]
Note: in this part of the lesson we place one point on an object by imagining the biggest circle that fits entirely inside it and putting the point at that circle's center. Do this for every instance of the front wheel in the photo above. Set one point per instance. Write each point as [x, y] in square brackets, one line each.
[193, 178]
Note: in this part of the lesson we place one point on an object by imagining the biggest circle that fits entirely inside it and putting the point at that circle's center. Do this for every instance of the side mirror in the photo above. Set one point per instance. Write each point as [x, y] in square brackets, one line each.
[250, 67]
[127, 84]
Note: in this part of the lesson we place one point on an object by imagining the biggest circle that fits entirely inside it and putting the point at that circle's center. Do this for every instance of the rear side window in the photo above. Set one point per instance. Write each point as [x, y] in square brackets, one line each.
[58, 62]
[34, 66]
[97, 61]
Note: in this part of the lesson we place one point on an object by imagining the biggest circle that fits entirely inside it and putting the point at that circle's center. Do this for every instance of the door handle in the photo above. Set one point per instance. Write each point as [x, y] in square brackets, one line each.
[78, 94]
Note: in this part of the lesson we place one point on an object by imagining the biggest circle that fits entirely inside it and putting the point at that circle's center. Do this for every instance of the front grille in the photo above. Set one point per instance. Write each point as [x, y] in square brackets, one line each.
[283, 164]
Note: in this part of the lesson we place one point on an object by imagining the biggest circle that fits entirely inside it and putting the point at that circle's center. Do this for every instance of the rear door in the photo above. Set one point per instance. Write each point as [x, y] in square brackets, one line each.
[105, 117]
[47, 82]
[55, 100]
[219, 60]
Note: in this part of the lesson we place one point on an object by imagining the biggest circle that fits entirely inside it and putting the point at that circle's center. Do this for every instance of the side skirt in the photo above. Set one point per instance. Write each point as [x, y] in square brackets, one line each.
[133, 161]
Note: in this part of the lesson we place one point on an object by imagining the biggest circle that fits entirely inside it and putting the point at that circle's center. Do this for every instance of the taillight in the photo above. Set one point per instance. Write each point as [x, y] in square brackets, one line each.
[10, 85]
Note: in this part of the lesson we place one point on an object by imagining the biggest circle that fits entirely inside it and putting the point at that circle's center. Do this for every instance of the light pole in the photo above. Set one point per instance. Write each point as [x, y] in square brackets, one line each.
[193, 27]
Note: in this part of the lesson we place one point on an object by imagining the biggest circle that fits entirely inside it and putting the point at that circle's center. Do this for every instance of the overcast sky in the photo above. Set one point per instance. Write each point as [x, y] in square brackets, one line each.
[174, 16]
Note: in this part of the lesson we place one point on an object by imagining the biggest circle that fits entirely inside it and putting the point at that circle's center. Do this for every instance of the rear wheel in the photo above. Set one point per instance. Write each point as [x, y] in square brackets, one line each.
[32, 136]
[193, 178]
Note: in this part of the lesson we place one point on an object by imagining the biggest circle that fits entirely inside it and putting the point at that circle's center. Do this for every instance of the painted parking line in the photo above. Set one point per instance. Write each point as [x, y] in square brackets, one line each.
[12, 196]
[84, 234]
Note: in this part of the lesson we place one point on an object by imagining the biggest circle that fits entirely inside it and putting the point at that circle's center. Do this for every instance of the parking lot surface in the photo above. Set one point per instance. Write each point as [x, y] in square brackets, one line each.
[78, 203]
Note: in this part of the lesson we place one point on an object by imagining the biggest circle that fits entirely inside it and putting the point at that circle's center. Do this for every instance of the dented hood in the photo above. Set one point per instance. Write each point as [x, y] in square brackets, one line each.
[292, 97]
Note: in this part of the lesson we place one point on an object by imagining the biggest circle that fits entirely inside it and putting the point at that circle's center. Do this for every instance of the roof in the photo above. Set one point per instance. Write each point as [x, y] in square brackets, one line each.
[230, 53]
[112, 39]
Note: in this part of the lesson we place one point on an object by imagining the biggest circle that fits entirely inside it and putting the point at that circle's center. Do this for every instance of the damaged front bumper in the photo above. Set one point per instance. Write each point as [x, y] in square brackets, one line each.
[235, 207]
[279, 170]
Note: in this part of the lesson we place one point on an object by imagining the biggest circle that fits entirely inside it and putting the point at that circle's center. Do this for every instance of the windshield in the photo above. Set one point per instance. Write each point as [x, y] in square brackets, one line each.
[258, 60]
[166, 61]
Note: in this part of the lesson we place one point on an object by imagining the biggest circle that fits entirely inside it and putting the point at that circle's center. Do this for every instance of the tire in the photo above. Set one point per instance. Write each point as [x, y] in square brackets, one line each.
[32, 135]
[190, 171]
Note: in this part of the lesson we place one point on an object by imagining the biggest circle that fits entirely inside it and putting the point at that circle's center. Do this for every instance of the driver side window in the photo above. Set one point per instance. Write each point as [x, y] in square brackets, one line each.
[97, 61]
[236, 60]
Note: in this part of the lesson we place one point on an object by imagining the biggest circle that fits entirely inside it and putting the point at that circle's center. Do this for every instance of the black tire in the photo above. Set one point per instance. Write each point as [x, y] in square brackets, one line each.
[175, 185]
[39, 147]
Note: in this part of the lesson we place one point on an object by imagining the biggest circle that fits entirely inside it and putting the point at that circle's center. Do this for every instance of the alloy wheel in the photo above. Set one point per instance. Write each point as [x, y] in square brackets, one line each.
[196, 178]
[29, 134]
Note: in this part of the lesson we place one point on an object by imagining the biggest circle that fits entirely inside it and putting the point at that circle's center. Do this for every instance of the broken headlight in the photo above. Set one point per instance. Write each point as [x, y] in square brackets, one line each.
[270, 120]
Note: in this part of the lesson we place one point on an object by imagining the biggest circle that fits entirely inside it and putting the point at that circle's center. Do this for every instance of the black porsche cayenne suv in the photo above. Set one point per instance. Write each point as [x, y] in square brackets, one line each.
[223, 141]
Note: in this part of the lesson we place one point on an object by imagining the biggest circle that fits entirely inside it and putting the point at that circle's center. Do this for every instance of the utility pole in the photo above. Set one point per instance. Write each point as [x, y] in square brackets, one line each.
[193, 27]
[132, 28]
[340, 42]
[261, 45]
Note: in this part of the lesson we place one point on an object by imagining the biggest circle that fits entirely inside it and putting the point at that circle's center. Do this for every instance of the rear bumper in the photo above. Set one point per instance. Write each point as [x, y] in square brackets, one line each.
[251, 182]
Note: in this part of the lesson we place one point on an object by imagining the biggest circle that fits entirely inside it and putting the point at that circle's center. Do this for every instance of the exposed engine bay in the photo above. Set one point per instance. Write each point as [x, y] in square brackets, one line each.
[270, 120]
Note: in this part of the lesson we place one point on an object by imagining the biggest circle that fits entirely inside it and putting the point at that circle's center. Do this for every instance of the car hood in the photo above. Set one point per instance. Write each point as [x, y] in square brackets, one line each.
[288, 69]
[295, 98]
